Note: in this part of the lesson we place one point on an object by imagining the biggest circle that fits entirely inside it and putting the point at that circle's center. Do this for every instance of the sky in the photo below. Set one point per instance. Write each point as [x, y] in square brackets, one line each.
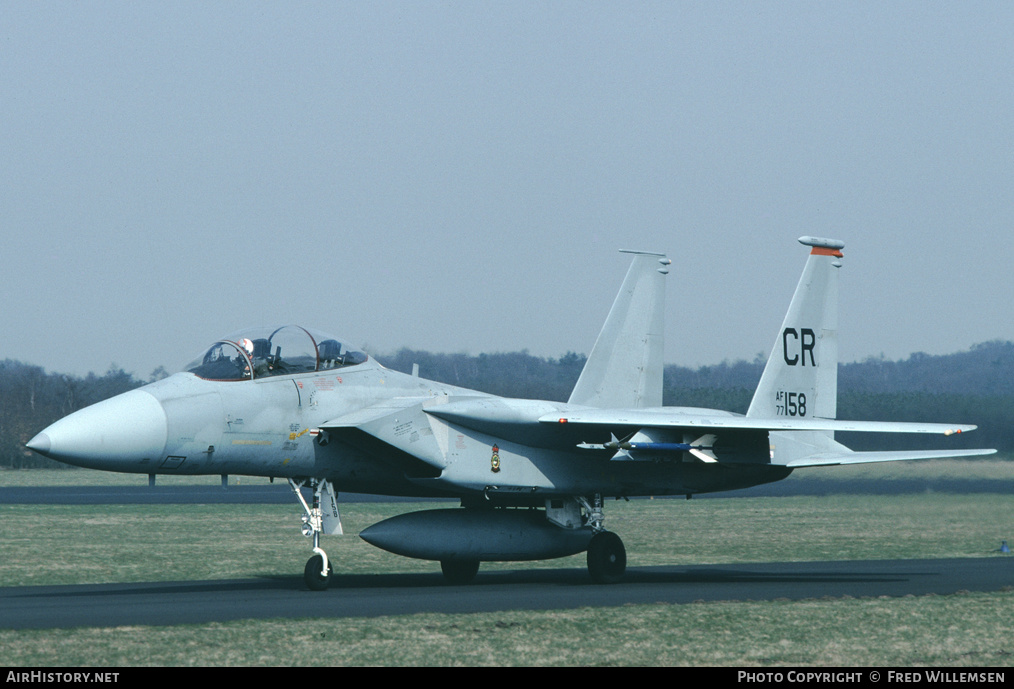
[460, 176]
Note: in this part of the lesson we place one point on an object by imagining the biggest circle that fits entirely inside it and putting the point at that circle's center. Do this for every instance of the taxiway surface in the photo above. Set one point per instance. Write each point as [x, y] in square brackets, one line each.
[196, 602]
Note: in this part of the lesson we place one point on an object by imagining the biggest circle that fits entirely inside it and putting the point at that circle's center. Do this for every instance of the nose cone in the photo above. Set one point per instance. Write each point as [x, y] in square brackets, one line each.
[124, 433]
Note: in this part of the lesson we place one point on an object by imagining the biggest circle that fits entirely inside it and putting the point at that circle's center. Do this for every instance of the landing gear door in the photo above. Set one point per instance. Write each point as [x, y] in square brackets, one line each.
[331, 521]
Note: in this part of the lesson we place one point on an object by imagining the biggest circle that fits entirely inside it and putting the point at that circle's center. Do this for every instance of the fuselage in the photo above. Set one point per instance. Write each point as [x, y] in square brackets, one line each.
[277, 427]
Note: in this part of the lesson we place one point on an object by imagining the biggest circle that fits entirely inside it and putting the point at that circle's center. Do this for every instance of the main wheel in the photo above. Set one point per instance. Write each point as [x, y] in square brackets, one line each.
[312, 574]
[459, 571]
[607, 558]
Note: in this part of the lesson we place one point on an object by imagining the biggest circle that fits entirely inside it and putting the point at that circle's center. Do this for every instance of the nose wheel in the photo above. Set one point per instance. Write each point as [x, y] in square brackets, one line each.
[317, 572]
[314, 574]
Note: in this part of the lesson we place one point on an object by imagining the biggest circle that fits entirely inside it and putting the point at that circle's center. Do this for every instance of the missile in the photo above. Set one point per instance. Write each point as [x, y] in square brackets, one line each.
[623, 449]
[646, 447]
[494, 535]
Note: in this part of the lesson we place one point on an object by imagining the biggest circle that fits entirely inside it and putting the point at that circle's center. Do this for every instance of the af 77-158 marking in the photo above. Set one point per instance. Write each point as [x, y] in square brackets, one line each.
[531, 475]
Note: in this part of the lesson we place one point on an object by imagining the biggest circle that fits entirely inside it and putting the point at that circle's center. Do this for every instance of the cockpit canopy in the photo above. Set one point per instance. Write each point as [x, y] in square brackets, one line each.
[278, 351]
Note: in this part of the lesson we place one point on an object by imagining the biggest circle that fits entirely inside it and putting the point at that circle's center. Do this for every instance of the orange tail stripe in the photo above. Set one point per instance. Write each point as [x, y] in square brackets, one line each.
[822, 251]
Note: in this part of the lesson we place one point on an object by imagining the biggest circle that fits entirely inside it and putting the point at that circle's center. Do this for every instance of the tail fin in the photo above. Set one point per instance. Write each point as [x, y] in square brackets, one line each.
[624, 368]
[801, 376]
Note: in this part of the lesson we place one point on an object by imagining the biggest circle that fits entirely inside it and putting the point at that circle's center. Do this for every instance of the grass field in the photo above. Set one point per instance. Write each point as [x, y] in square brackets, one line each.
[65, 544]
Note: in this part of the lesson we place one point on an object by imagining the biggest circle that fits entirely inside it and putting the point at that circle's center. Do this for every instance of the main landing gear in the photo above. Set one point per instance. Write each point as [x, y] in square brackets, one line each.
[459, 571]
[318, 570]
[607, 558]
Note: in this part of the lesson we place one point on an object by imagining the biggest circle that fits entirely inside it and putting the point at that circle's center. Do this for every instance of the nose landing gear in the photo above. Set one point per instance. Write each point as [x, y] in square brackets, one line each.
[318, 570]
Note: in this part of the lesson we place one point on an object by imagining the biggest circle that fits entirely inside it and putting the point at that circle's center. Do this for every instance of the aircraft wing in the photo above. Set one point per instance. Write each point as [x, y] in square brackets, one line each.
[712, 420]
[794, 442]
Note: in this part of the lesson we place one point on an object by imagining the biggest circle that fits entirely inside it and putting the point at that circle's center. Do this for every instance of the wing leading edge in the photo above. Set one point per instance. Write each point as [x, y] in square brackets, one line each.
[716, 420]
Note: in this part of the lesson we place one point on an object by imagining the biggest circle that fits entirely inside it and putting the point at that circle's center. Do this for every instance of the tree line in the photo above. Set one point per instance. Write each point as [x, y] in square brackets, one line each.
[976, 386]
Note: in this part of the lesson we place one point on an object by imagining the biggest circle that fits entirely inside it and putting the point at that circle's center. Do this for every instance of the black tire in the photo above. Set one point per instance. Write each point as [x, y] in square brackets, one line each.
[312, 574]
[459, 571]
[607, 558]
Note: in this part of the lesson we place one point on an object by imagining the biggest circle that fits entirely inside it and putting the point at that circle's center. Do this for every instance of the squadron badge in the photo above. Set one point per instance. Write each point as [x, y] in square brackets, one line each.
[494, 462]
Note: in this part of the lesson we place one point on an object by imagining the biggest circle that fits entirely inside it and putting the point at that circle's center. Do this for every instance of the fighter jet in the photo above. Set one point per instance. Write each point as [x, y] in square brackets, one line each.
[531, 476]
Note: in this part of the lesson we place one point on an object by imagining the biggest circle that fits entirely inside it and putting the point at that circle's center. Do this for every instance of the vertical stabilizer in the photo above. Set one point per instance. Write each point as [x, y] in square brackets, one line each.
[624, 369]
[801, 376]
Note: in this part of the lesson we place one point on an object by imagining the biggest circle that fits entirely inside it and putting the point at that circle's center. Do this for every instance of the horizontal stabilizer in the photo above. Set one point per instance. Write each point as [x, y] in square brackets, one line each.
[833, 458]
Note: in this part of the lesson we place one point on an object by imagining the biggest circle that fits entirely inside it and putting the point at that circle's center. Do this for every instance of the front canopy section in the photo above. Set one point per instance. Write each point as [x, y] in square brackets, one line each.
[273, 351]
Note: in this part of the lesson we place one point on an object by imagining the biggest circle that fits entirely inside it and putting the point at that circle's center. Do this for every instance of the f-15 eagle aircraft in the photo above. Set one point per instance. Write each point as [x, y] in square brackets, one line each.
[531, 475]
